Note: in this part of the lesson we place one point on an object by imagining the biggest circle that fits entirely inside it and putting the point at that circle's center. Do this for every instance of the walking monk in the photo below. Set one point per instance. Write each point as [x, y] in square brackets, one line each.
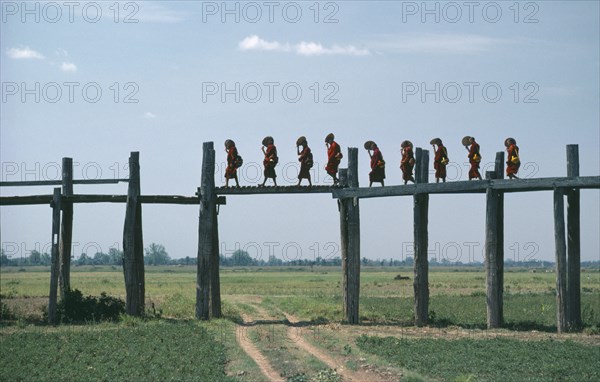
[234, 161]
[440, 160]
[306, 160]
[270, 160]
[334, 157]
[474, 156]
[513, 161]
[407, 164]
[377, 173]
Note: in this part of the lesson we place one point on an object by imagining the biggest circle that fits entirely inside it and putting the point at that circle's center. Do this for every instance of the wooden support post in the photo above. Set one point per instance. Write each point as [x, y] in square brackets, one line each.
[54, 267]
[561, 261]
[421, 241]
[66, 228]
[342, 208]
[350, 239]
[573, 243]
[133, 243]
[208, 272]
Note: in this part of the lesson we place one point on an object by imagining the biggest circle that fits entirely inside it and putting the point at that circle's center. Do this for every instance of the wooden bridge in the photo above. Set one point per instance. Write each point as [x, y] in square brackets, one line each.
[348, 195]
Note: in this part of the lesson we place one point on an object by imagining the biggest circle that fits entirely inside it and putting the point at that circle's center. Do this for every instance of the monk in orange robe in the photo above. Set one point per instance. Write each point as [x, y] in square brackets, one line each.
[513, 161]
[407, 163]
[440, 160]
[334, 157]
[270, 160]
[377, 173]
[232, 163]
[306, 160]
[474, 159]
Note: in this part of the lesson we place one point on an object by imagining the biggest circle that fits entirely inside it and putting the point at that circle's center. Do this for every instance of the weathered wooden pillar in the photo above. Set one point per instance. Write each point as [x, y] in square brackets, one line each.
[66, 228]
[494, 248]
[573, 243]
[350, 240]
[215, 282]
[561, 261]
[206, 238]
[133, 243]
[421, 241]
[54, 267]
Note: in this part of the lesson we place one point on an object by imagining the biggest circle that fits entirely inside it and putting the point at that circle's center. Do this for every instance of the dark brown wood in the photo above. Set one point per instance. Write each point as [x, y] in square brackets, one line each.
[352, 255]
[573, 243]
[343, 208]
[54, 262]
[421, 241]
[133, 244]
[66, 228]
[253, 190]
[206, 235]
[215, 278]
[29, 183]
[561, 261]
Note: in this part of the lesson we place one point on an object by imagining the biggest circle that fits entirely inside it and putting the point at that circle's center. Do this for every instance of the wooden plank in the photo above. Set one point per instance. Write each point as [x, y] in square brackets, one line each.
[29, 183]
[573, 243]
[421, 241]
[561, 261]
[252, 190]
[66, 228]
[25, 200]
[205, 233]
[54, 267]
[133, 246]
[474, 186]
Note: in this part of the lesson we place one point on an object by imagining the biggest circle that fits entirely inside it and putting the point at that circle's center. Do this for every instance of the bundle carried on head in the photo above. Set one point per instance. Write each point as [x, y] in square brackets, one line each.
[436, 141]
[369, 145]
[229, 143]
[509, 141]
[330, 137]
[267, 140]
[301, 141]
[406, 143]
[466, 141]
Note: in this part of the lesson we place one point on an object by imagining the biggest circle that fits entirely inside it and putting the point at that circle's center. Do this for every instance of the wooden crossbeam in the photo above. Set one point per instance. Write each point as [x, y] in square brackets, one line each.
[253, 190]
[476, 186]
[59, 182]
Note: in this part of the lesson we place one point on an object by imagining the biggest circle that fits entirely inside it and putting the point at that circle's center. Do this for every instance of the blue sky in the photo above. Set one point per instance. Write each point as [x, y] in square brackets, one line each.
[378, 68]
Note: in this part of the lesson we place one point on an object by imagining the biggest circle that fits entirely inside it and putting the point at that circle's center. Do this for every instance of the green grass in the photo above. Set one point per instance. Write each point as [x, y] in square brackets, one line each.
[496, 359]
[134, 350]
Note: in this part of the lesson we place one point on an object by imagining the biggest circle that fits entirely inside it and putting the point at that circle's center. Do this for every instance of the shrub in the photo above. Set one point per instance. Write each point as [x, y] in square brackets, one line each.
[5, 313]
[75, 308]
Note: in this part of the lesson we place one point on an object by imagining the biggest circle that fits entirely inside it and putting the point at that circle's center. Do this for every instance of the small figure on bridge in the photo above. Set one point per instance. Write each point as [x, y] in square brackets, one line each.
[270, 160]
[334, 157]
[513, 161]
[440, 160]
[306, 160]
[407, 163]
[234, 161]
[377, 173]
[474, 156]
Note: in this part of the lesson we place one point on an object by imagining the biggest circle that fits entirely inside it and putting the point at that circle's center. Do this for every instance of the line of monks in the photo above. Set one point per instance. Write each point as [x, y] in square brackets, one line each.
[377, 174]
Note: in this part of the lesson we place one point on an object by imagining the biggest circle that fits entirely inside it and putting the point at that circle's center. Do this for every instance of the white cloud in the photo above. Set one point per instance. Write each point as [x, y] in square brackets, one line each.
[438, 43]
[24, 53]
[303, 48]
[149, 115]
[256, 43]
[68, 67]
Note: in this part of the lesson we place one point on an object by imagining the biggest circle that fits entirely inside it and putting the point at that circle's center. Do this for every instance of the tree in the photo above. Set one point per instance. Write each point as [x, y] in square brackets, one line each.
[156, 255]
[241, 258]
[34, 258]
[116, 256]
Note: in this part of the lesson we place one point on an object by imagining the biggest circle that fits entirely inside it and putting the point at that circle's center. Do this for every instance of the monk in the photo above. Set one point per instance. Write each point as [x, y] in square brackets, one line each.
[440, 160]
[334, 157]
[232, 163]
[377, 173]
[270, 160]
[407, 163]
[306, 160]
[474, 159]
[513, 161]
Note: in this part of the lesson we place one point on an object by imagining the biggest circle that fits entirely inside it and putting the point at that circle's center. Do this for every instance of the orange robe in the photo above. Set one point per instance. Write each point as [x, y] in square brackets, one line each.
[440, 168]
[474, 160]
[231, 170]
[407, 164]
[333, 160]
[513, 163]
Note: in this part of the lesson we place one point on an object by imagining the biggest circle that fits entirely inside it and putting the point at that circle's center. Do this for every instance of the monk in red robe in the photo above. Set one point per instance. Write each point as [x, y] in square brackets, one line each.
[407, 163]
[306, 160]
[440, 160]
[270, 160]
[334, 157]
[474, 159]
[377, 173]
[513, 161]
[232, 163]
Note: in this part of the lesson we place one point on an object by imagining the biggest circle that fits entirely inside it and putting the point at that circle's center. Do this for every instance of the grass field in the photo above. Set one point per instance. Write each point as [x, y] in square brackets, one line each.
[291, 318]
